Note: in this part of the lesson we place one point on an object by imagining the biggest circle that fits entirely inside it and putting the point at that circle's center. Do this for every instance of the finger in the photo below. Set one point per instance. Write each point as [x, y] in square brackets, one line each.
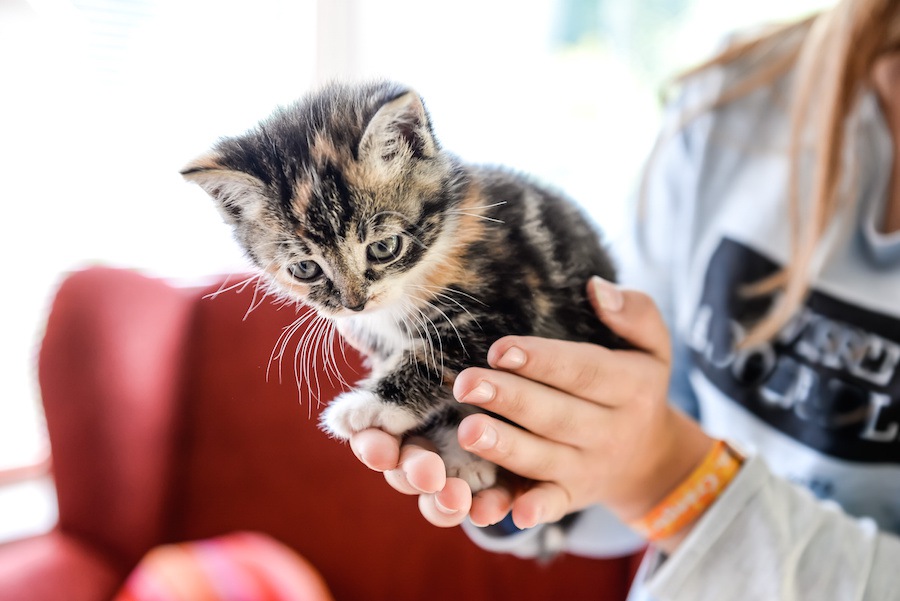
[537, 407]
[419, 470]
[581, 369]
[376, 449]
[490, 506]
[515, 449]
[588, 371]
[448, 507]
[632, 315]
[543, 503]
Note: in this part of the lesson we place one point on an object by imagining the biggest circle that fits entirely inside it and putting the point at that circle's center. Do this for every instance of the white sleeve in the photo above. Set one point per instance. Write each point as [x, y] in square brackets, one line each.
[596, 532]
[768, 539]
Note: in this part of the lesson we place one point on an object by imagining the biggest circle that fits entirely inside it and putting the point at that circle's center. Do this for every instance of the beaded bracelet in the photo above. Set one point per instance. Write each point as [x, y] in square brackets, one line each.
[693, 496]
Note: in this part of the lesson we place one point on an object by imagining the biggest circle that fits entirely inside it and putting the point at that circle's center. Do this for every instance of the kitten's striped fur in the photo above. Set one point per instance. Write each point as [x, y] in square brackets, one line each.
[420, 260]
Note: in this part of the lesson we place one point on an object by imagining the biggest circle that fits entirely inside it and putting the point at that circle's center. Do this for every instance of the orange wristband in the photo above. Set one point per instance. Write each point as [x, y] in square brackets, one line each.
[693, 496]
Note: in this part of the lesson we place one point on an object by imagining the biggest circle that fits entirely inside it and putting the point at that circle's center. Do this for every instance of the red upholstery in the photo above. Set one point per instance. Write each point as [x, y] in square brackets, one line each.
[56, 566]
[164, 428]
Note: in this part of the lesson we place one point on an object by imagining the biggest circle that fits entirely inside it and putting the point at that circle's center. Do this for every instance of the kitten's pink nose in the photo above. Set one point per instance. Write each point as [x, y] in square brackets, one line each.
[353, 296]
[358, 307]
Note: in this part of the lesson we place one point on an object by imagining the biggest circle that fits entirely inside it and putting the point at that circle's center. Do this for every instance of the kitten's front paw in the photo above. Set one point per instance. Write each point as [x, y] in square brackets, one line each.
[357, 410]
[478, 473]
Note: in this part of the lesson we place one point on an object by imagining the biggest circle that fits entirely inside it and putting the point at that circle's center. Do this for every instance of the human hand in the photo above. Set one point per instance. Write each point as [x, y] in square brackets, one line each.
[415, 469]
[597, 426]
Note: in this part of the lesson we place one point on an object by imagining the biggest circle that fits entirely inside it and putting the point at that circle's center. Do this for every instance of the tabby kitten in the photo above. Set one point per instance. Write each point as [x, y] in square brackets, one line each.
[349, 204]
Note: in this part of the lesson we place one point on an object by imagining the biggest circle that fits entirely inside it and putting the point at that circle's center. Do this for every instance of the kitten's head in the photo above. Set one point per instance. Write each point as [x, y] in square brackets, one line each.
[342, 198]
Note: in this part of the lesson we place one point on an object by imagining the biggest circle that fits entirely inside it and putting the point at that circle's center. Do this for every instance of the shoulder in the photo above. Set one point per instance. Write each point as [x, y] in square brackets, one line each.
[747, 81]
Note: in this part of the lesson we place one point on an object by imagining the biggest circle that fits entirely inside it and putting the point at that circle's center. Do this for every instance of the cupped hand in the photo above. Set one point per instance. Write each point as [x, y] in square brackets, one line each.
[596, 426]
[415, 469]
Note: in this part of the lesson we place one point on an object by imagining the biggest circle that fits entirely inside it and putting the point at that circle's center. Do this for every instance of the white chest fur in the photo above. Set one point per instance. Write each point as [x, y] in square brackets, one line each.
[380, 333]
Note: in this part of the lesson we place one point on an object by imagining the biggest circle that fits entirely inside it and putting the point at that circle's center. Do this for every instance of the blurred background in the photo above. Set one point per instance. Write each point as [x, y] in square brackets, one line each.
[104, 100]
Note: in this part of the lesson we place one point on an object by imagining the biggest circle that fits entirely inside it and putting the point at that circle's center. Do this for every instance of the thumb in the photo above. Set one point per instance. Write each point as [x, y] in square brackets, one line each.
[632, 315]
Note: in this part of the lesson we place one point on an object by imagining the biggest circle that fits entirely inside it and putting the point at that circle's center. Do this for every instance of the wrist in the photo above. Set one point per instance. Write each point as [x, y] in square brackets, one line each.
[669, 521]
[671, 459]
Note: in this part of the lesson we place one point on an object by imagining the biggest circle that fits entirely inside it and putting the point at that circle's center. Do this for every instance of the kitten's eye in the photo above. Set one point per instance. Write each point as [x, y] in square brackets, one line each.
[384, 250]
[305, 271]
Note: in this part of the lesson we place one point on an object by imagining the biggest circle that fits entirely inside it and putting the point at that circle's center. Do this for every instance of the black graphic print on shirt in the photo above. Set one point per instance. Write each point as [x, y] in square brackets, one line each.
[829, 380]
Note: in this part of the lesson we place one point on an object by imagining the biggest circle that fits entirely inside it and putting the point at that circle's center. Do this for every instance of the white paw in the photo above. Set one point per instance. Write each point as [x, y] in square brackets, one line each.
[357, 410]
[477, 472]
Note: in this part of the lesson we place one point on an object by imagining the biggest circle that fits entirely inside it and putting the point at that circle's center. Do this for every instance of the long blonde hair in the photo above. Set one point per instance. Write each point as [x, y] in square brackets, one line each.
[831, 54]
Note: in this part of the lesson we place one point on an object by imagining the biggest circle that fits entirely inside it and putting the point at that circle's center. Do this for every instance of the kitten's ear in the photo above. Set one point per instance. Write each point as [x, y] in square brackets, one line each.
[400, 128]
[238, 195]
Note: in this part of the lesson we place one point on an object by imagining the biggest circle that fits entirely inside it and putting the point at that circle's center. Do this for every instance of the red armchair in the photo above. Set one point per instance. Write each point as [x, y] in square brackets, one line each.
[164, 427]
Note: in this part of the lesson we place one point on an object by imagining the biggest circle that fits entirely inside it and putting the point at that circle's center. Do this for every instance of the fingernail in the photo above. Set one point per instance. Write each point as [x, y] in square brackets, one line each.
[482, 393]
[513, 358]
[442, 509]
[534, 521]
[487, 440]
[608, 294]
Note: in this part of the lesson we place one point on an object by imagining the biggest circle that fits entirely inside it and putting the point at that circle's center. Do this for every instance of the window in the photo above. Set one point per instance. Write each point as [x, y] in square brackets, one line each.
[104, 100]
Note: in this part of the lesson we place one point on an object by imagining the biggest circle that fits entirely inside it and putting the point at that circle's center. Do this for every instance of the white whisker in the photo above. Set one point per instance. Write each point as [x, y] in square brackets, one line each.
[440, 350]
[332, 369]
[240, 285]
[421, 325]
[477, 216]
[468, 211]
[450, 299]
[490, 206]
[281, 344]
[304, 357]
[448, 320]
[402, 321]
[254, 303]
[343, 346]
[446, 293]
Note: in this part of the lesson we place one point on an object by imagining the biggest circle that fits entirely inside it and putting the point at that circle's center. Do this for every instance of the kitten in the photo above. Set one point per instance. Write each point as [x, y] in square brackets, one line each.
[348, 203]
